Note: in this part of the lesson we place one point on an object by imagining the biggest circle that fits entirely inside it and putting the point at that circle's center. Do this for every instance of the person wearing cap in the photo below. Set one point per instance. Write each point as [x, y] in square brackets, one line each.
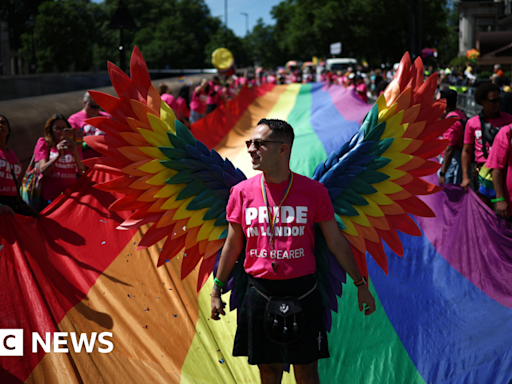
[451, 170]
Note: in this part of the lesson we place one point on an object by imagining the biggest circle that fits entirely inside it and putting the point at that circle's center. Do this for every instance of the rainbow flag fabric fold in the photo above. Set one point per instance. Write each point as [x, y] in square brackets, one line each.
[444, 311]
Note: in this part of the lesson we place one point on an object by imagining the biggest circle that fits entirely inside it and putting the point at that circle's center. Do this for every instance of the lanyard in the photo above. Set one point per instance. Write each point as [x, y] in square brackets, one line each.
[272, 217]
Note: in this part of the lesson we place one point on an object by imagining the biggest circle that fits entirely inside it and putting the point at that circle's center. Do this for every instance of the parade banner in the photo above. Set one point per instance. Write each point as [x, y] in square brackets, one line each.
[93, 309]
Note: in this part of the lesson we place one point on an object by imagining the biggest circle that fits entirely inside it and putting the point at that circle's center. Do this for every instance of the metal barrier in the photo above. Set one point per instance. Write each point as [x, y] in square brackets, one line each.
[466, 102]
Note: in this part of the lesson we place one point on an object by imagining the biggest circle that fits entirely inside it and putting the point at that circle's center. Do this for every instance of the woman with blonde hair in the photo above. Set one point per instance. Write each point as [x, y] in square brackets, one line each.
[58, 157]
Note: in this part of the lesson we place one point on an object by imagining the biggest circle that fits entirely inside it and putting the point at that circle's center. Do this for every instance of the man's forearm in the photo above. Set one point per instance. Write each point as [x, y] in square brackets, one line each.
[232, 248]
[342, 252]
[448, 156]
[466, 161]
[227, 261]
[497, 180]
[340, 248]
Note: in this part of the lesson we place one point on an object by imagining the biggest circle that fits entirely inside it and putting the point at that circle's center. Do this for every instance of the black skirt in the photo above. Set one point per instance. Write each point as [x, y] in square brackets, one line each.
[251, 339]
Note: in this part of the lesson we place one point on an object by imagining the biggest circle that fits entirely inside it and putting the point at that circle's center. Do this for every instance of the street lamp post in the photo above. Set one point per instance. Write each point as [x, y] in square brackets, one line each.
[122, 19]
[246, 22]
[226, 14]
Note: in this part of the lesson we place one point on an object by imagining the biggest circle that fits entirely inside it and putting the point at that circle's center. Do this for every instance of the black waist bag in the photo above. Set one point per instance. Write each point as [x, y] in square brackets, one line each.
[283, 321]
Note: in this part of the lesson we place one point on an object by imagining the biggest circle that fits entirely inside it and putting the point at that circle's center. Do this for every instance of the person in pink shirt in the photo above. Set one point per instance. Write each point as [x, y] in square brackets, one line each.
[59, 159]
[451, 170]
[163, 90]
[77, 121]
[500, 161]
[198, 102]
[273, 215]
[361, 89]
[488, 96]
[182, 111]
[214, 94]
[10, 168]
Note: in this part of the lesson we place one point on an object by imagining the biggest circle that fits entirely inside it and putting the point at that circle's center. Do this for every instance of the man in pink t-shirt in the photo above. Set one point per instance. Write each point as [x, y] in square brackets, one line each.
[275, 214]
[77, 121]
[488, 96]
[500, 161]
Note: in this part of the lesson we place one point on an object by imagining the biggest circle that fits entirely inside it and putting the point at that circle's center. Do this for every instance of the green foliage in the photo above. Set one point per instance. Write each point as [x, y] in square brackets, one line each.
[63, 35]
[459, 61]
[262, 47]
[177, 37]
[17, 13]
[376, 30]
[75, 34]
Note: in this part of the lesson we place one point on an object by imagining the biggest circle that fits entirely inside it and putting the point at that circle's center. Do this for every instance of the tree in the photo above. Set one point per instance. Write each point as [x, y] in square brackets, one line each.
[262, 46]
[63, 35]
[375, 30]
[17, 13]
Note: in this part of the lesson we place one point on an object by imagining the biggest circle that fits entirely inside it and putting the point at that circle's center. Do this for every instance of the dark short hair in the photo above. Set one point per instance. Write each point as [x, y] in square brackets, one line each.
[8, 126]
[451, 97]
[280, 129]
[483, 90]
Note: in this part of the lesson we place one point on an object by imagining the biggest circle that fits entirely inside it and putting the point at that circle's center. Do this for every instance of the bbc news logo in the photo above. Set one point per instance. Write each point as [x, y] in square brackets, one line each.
[11, 342]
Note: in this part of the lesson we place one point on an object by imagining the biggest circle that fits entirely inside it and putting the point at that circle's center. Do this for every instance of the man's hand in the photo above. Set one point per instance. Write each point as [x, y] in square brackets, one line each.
[365, 297]
[502, 209]
[71, 145]
[217, 307]
[465, 183]
[442, 180]
[61, 146]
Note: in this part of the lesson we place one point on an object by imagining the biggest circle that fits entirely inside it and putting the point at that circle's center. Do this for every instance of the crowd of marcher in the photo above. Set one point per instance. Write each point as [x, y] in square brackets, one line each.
[57, 157]
[478, 154]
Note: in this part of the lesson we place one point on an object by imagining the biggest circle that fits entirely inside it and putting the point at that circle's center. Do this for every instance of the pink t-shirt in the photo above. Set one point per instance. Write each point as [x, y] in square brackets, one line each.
[63, 173]
[454, 133]
[473, 133]
[501, 158]
[181, 108]
[169, 99]
[198, 102]
[361, 92]
[307, 203]
[77, 121]
[8, 162]
[214, 95]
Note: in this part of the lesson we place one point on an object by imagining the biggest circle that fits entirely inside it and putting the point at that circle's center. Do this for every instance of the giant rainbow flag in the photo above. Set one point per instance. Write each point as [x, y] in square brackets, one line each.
[444, 311]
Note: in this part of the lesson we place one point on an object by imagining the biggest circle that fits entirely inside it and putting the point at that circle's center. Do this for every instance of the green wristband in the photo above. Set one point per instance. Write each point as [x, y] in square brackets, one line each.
[218, 282]
[497, 199]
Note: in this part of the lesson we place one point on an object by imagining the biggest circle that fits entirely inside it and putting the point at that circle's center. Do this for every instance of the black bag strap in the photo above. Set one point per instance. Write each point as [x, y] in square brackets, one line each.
[298, 298]
[483, 126]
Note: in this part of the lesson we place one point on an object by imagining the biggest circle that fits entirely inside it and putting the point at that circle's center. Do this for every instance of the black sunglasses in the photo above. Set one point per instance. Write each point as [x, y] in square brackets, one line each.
[494, 101]
[259, 142]
[94, 106]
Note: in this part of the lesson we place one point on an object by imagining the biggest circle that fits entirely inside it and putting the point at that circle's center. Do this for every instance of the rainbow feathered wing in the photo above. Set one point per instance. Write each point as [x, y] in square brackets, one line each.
[178, 185]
